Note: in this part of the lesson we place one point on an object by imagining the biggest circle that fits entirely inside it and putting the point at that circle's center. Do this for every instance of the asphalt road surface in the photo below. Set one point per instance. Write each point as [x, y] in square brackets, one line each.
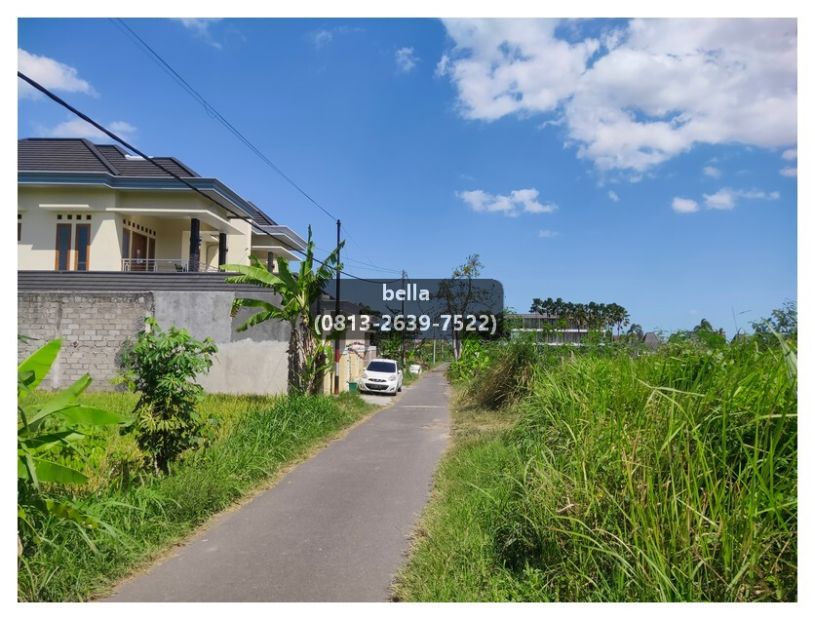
[335, 528]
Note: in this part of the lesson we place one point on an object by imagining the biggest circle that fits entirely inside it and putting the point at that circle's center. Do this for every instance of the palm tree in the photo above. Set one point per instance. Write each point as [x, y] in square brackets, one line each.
[299, 293]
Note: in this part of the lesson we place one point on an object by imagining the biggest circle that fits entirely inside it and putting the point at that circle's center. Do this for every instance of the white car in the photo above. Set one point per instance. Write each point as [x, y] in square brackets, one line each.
[381, 375]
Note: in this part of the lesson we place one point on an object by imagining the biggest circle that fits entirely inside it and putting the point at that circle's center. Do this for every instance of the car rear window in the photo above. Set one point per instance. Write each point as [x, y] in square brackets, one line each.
[382, 366]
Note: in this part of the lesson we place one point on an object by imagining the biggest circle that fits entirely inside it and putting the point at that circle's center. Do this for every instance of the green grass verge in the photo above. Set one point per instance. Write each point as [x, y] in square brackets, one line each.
[252, 438]
[663, 477]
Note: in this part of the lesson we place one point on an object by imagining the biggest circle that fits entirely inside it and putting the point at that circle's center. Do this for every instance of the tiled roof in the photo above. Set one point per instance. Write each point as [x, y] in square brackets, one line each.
[78, 155]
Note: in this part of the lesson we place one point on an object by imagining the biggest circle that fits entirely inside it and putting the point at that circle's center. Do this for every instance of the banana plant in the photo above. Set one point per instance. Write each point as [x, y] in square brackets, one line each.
[309, 355]
[45, 427]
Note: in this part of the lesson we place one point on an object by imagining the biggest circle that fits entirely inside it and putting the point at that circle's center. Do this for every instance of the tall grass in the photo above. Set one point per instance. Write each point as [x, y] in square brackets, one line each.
[662, 477]
[252, 439]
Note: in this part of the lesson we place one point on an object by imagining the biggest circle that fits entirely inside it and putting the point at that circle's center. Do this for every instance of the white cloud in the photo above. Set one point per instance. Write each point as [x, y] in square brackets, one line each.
[50, 73]
[406, 59]
[547, 234]
[77, 128]
[790, 154]
[442, 66]
[712, 172]
[321, 38]
[636, 96]
[723, 199]
[512, 205]
[684, 205]
[200, 27]
[726, 198]
[789, 172]
[612, 195]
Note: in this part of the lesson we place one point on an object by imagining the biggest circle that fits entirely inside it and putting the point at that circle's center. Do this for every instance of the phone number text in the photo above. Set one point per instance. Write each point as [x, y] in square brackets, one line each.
[479, 323]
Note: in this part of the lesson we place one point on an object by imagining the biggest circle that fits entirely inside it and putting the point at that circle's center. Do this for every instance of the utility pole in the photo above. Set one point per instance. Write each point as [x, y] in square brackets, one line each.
[403, 319]
[337, 314]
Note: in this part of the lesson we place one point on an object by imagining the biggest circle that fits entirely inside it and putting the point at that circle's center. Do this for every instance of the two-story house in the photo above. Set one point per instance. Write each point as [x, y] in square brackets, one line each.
[94, 207]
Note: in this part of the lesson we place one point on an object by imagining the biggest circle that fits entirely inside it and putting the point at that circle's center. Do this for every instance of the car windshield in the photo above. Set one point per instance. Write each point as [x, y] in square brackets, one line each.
[382, 366]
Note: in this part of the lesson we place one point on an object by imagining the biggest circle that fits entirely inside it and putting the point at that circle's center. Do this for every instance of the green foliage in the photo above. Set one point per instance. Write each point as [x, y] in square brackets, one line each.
[309, 356]
[44, 430]
[703, 334]
[161, 366]
[505, 376]
[593, 315]
[782, 321]
[256, 436]
[667, 476]
[476, 355]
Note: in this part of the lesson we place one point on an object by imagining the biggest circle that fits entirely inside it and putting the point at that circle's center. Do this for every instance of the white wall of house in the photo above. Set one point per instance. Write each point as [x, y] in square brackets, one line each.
[109, 209]
[37, 210]
[238, 245]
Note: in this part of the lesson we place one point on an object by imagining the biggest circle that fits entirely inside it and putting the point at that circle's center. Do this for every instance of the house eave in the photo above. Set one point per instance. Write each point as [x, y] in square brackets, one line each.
[236, 205]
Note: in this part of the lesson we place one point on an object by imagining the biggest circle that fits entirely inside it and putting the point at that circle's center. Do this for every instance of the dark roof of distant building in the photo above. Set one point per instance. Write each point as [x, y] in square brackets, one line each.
[81, 156]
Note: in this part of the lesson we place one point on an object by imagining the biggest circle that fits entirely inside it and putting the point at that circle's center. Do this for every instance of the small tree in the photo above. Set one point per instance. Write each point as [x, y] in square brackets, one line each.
[162, 366]
[458, 293]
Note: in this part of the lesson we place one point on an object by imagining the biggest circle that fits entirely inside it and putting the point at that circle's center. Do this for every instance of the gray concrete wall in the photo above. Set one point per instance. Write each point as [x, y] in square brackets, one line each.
[250, 362]
[94, 326]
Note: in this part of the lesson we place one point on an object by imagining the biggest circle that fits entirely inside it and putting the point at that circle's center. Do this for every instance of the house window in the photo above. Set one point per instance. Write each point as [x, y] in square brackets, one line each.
[19, 227]
[63, 253]
[83, 246]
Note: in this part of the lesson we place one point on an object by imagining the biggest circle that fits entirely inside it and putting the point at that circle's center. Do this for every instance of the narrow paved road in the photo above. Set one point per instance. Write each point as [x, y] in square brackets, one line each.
[333, 529]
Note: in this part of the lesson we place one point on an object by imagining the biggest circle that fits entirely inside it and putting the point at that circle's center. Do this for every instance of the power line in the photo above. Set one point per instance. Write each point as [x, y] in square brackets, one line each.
[219, 117]
[59, 100]
[214, 113]
[121, 141]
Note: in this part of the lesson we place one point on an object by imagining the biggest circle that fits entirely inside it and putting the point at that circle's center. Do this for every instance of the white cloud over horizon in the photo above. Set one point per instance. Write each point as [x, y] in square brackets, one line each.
[633, 97]
[712, 171]
[612, 195]
[545, 233]
[77, 128]
[511, 205]
[51, 73]
[406, 59]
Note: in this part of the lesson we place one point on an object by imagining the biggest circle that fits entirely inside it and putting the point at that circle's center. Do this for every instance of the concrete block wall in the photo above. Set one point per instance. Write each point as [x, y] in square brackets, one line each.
[94, 326]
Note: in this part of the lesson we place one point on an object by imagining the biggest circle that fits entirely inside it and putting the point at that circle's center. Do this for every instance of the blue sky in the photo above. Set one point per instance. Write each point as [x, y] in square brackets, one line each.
[651, 164]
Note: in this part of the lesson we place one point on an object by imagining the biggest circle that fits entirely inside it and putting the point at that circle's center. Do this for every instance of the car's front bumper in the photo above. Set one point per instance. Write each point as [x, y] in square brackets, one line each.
[385, 388]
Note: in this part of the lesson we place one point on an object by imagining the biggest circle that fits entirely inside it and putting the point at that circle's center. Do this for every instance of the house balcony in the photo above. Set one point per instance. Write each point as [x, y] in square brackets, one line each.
[177, 265]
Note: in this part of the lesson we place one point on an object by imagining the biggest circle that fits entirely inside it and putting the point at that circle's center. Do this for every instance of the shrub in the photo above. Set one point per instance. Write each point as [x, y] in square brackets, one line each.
[508, 378]
[476, 355]
[162, 366]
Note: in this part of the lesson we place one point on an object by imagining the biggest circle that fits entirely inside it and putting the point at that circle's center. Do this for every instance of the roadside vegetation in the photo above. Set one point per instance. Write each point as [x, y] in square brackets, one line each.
[250, 440]
[615, 473]
[108, 481]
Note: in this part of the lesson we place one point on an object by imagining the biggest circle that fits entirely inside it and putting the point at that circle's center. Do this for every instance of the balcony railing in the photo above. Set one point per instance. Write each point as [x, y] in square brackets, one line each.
[180, 265]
